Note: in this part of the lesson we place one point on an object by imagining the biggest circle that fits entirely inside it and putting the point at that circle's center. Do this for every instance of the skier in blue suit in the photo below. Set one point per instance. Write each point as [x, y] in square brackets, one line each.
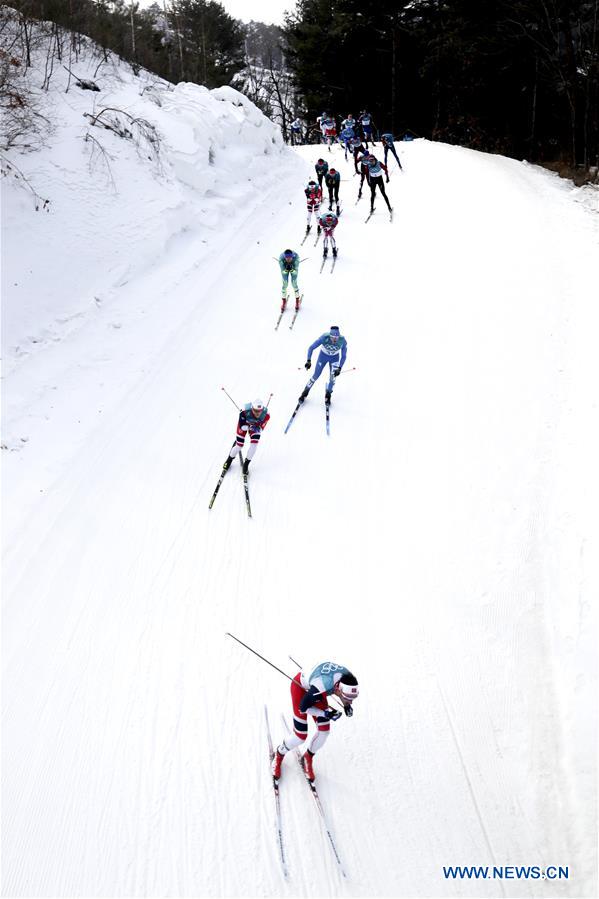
[389, 147]
[333, 352]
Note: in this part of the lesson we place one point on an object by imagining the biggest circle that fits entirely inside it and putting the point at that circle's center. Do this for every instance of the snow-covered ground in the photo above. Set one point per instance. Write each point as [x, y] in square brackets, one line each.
[441, 542]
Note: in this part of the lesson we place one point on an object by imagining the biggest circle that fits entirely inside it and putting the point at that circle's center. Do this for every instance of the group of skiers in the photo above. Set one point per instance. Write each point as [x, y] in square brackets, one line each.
[310, 690]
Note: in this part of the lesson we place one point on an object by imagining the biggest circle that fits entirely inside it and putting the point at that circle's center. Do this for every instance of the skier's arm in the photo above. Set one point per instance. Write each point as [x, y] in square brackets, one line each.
[384, 167]
[309, 698]
[312, 347]
[343, 356]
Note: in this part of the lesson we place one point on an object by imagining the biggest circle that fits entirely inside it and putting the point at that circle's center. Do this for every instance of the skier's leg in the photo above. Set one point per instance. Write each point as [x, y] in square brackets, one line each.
[239, 441]
[300, 719]
[294, 283]
[394, 151]
[372, 192]
[319, 738]
[254, 441]
[285, 279]
[384, 193]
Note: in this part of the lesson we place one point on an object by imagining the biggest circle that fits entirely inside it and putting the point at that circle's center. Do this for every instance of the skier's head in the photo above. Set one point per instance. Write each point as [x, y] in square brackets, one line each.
[321, 162]
[347, 688]
[334, 333]
[371, 157]
[257, 407]
[332, 171]
[288, 254]
[311, 182]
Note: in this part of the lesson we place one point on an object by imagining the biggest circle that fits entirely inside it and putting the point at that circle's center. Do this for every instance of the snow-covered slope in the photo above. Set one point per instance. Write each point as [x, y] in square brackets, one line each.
[439, 542]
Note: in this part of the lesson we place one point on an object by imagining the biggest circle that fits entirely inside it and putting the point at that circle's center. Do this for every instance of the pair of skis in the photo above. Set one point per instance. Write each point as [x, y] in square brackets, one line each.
[300, 403]
[372, 211]
[316, 797]
[295, 314]
[246, 489]
[324, 260]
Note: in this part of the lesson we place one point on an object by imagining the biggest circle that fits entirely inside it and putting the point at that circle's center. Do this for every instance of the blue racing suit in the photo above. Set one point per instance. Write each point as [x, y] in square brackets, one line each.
[389, 146]
[332, 353]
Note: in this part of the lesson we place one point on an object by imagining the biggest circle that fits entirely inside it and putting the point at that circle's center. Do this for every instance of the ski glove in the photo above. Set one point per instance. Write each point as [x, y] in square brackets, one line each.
[308, 364]
[336, 372]
[331, 715]
[348, 711]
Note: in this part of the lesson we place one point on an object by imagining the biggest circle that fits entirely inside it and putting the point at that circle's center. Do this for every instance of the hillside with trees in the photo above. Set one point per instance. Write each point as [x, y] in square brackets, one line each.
[517, 77]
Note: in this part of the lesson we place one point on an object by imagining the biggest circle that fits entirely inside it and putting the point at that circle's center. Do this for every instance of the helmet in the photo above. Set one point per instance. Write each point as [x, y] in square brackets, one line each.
[334, 333]
[257, 406]
[311, 181]
[347, 688]
[288, 254]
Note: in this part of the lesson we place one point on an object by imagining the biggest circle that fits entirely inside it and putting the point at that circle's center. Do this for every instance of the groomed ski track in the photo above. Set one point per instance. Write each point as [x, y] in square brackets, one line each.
[436, 543]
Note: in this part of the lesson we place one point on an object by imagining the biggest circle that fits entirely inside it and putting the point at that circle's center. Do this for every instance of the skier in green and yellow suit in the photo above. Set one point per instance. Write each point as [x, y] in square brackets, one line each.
[289, 265]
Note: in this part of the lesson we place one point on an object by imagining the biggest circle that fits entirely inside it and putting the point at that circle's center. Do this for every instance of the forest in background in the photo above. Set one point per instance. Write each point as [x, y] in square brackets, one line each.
[518, 77]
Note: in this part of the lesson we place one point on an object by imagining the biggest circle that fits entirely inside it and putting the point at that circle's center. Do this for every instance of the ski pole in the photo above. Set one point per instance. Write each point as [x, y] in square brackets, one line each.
[231, 398]
[345, 370]
[227, 634]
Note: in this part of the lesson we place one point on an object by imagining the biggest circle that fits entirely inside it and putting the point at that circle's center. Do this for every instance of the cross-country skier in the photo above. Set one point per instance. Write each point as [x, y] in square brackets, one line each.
[253, 418]
[350, 122]
[389, 147]
[332, 181]
[289, 264]
[322, 168]
[346, 135]
[296, 132]
[364, 169]
[357, 149]
[375, 176]
[329, 130]
[367, 127]
[313, 199]
[309, 693]
[333, 352]
[328, 221]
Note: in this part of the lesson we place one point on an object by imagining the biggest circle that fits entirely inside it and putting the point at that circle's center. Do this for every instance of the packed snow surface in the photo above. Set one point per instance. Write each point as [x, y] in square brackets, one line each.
[439, 543]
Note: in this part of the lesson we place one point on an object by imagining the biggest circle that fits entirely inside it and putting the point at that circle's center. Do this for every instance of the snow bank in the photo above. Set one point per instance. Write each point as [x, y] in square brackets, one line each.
[117, 203]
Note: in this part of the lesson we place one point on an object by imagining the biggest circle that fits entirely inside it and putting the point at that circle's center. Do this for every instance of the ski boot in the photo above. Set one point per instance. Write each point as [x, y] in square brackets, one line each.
[307, 765]
[276, 764]
[304, 394]
[227, 464]
[334, 251]
[298, 301]
[338, 210]
[283, 304]
[308, 229]
[325, 252]
[246, 466]
[319, 230]
[330, 206]
[327, 397]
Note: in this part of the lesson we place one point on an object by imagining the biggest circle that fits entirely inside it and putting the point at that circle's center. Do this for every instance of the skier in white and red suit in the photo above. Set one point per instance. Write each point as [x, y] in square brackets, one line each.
[313, 194]
[309, 697]
[253, 418]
